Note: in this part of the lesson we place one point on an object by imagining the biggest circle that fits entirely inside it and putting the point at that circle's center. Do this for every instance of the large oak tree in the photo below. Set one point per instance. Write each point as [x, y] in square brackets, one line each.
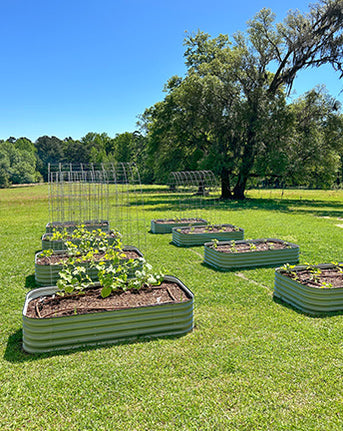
[232, 99]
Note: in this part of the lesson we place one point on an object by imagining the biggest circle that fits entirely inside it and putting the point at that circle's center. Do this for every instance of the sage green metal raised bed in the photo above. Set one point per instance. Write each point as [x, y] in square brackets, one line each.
[69, 226]
[183, 239]
[58, 244]
[68, 332]
[47, 275]
[169, 224]
[227, 261]
[308, 298]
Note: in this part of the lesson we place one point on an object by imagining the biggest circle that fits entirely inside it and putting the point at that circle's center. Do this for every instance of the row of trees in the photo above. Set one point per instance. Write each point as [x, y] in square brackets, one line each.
[302, 146]
[22, 161]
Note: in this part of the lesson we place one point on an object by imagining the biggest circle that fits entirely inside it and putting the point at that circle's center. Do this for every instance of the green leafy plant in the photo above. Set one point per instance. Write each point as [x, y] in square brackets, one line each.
[214, 243]
[252, 246]
[271, 245]
[94, 249]
[314, 272]
[233, 247]
[46, 253]
[73, 279]
[289, 270]
[58, 235]
[116, 278]
[338, 266]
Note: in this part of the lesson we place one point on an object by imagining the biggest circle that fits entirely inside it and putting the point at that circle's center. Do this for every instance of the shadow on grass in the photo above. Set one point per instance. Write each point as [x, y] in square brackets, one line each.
[314, 315]
[30, 282]
[15, 353]
[316, 207]
[184, 246]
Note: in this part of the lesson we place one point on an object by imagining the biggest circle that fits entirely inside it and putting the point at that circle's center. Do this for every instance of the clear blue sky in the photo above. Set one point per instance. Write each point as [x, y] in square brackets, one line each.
[70, 67]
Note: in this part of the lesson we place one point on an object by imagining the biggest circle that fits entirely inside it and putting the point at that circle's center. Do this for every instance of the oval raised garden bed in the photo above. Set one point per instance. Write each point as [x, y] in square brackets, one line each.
[59, 244]
[47, 274]
[311, 289]
[225, 255]
[69, 226]
[198, 235]
[170, 312]
[166, 225]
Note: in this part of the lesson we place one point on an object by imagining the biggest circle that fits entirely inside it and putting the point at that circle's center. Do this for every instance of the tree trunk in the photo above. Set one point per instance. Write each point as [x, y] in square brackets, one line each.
[247, 159]
[225, 181]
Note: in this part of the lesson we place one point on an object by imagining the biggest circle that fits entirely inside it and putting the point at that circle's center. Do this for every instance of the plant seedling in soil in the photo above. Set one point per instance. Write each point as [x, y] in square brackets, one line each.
[233, 247]
[215, 243]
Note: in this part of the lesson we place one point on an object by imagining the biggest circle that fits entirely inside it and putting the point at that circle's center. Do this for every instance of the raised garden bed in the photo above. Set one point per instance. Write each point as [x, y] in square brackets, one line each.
[59, 244]
[225, 255]
[47, 268]
[166, 225]
[198, 235]
[153, 312]
[69, 226]
[311, 288]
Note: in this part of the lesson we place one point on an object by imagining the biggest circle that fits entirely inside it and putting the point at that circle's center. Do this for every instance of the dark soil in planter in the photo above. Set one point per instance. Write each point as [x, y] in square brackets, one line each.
[56, 259]
[92, 302]
[323, 278]
[208, 229]
[182, 220]
[249, 247]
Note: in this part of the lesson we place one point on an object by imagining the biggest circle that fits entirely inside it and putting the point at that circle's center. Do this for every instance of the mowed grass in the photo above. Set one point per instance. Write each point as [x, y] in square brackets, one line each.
[251, 363]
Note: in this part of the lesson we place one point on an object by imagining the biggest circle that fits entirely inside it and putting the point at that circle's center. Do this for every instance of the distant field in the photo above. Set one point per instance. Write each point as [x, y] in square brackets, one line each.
[251, 363]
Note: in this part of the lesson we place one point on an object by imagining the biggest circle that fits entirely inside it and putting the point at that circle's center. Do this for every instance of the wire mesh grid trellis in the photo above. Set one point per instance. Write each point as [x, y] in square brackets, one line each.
[99, 196]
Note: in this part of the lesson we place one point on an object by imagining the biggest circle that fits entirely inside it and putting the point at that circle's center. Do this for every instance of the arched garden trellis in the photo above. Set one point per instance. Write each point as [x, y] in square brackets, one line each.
[98, 195]
[197, 183]
[190, 193]
[194, 222]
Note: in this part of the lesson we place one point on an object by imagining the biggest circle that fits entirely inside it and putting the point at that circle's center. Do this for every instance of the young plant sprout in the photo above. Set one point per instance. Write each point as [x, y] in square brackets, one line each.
[233, 247]
[214, 243]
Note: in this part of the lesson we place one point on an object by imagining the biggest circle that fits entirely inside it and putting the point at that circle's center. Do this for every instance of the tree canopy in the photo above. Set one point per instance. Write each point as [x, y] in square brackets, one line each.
[232, 101]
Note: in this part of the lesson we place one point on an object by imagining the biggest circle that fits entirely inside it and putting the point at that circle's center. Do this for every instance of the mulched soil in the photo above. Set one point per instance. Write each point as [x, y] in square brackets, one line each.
[56, 259]
[92, 302]
[182, 220]
[332, 278]
[249, 247]
[208, 229]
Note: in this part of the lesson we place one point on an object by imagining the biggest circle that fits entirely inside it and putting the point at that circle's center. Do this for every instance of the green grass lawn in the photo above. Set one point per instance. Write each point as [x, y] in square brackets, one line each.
[251, 363]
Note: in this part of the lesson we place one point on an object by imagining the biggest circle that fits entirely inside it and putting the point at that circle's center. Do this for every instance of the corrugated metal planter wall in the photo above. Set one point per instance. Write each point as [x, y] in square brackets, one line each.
[189, 239]
[167, 225]
[44, 335]
[47, 275]
[227, 261]
[307, 298]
